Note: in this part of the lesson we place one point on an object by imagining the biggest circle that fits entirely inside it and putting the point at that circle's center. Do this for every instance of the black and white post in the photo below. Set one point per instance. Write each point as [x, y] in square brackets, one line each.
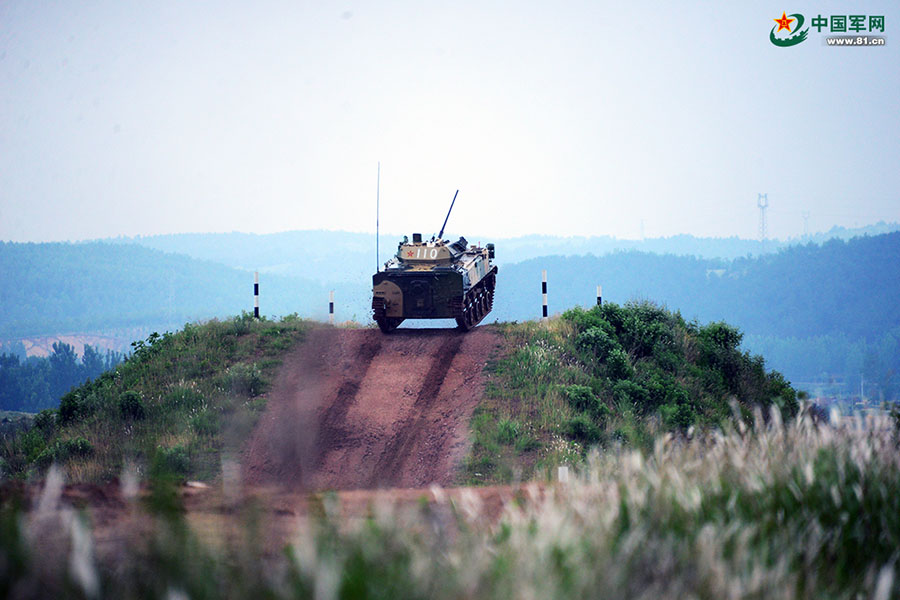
[256, 294]
[544, 293]
[599, 295]
[331, 307]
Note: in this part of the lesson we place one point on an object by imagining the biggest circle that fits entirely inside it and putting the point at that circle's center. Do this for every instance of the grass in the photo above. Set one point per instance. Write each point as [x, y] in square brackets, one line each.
[760, 510]
[609, 375]
[183, 398]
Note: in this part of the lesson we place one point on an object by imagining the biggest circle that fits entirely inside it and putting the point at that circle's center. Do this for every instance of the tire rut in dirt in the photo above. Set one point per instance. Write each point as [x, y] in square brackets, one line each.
[331, 433]
[389, 469]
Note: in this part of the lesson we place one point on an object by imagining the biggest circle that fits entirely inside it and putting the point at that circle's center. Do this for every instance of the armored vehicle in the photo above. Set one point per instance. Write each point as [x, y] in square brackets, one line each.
[435, 279]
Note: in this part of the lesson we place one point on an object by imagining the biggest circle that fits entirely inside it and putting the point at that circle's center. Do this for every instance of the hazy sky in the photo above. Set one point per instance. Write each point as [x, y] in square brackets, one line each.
[122, 118]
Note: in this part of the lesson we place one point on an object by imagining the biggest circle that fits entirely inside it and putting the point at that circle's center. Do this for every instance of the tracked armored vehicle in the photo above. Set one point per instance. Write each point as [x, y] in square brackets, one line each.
[435, 279]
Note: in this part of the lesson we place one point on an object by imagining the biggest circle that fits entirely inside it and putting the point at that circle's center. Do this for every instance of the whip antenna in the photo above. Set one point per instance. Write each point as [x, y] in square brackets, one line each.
[441, 234]
[377, 210]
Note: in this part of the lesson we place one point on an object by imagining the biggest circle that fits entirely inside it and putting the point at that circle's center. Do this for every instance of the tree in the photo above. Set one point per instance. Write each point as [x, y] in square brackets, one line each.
[92, 363]
[64, 369]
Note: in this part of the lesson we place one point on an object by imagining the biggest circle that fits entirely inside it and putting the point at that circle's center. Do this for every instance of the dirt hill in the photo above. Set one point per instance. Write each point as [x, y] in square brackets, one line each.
[357, 409]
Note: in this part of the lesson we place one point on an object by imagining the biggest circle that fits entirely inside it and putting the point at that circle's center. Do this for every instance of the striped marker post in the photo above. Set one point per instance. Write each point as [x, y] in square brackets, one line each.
[256, 294]
[331, 307]
[599, 295]
[544, 292]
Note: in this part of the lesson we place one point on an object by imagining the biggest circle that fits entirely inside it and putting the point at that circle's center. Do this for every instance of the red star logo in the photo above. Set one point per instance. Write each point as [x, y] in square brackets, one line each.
[784, 22]
[409, 254]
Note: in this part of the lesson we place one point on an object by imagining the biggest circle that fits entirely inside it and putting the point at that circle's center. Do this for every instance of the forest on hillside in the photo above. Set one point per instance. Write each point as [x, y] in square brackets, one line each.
[31, 384]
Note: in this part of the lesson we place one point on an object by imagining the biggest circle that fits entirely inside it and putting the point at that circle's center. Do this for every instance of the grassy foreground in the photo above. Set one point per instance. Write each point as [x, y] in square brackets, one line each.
[766, 511]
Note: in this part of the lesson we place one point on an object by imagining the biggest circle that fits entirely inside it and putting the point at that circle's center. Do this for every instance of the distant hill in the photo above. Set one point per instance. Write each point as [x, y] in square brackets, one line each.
[93, 287]
[839, 287]
[332, 257]
[834, 302]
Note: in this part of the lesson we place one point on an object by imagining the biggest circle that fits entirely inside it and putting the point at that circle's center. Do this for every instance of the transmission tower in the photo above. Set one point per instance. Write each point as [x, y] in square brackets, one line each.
[762, 202]
[805, 214]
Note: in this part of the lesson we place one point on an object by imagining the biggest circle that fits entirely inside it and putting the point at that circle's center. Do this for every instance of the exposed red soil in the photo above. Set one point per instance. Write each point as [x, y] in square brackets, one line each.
[358, 409]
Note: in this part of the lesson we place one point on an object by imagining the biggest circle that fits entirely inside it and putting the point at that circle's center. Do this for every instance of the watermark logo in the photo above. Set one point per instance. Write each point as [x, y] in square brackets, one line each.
[795, 32]
[788, 30]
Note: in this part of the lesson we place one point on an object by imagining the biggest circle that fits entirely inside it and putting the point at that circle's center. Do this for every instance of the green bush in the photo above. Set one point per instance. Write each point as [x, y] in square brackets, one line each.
[678, 416]
[642, 337]
[581, 398]
[586, 319]
[63, 450]
[245, 380]
[73, 407]
[633, 394]
[618, 366]
[581, 428]
[45, 457]
[74, 448]
[131, 407]
[597, 341]
[32, 443]
[45, 422]
[781, 394]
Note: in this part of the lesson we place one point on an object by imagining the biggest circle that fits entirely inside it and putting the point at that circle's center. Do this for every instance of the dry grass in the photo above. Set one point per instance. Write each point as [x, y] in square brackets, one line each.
[768, 511]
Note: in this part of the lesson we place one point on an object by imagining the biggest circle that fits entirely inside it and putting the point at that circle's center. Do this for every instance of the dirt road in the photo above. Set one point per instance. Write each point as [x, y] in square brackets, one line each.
[357, 409]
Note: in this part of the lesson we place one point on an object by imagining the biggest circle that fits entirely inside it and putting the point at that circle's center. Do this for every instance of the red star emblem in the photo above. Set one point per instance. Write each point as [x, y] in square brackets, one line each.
[784, 22]
[409, 254]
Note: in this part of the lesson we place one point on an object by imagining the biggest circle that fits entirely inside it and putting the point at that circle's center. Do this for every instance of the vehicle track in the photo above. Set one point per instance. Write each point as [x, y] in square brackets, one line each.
[357, 409]
[411, 430]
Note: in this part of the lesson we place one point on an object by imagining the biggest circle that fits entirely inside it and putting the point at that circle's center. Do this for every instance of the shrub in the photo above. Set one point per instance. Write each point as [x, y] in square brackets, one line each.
[780, 393]
[131, 407]
[142, 350]
[633, 394]
[581, 398]
[32, 443]
[678, 416]
[63, 450]
[45, 457]
[618, 365]
[74, 407]
[583, 429]
[721, 336]
[45, 422]
[74, 448]
[245, 380]
[642, 337]
[586, 319]
[597, 341]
